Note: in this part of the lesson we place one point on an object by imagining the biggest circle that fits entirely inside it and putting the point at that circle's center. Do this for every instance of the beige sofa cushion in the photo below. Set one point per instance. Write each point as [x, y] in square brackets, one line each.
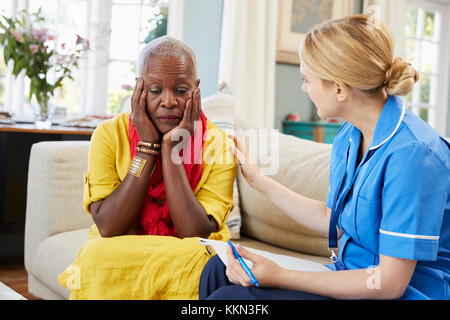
[219, 108]
[54, 255]
[303, 166]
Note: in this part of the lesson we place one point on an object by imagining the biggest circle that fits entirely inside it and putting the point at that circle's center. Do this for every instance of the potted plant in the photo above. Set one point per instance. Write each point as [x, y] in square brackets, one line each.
[33, 48]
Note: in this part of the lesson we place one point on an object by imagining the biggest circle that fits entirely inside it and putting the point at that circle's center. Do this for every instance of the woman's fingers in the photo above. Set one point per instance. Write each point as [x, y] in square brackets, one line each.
[235, 272]
[142, 102]
[253, 257]
[240, 150]
[239, 144]
[197, 109]
[241, 159]
[137, 93]
[186, 121]
[191, 112]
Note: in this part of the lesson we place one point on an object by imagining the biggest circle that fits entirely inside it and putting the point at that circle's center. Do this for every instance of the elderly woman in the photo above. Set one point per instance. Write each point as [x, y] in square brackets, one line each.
[158, 177]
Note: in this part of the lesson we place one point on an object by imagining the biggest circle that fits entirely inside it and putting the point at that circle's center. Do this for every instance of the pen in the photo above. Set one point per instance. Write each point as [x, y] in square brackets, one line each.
[243, 265]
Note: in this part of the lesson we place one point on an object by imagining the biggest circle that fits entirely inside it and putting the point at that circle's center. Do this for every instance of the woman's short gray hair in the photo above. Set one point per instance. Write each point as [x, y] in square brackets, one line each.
[165, 46]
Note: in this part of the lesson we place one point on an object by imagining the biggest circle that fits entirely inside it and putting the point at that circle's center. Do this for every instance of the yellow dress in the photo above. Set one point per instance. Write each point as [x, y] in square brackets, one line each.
[142, 266]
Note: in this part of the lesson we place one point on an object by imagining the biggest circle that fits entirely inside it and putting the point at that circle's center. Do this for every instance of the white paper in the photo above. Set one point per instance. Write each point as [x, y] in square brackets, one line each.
[286, 262]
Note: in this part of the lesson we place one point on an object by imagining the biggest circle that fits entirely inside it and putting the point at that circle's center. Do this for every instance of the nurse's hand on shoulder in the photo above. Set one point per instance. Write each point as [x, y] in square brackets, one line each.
[263, 269]
[249, 168]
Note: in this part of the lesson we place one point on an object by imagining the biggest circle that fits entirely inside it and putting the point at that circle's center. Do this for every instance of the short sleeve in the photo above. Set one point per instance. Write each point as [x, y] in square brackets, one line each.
[102, 177]
[414, 197]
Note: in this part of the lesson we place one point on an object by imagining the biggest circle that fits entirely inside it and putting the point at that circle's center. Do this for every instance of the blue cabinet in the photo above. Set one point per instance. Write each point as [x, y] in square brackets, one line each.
[315, 131]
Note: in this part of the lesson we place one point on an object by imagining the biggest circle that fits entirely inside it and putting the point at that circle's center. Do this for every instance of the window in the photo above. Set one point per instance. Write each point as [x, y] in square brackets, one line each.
[427, 49]
[5, 10]
[117, 31]
[67, 18]
[133, 24]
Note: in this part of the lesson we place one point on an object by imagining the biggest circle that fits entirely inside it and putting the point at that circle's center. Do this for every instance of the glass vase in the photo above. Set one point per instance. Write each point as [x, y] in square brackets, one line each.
[43, 115]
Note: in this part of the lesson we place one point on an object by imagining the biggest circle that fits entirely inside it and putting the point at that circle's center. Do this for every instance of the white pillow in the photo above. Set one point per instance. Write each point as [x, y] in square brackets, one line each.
[219, 109]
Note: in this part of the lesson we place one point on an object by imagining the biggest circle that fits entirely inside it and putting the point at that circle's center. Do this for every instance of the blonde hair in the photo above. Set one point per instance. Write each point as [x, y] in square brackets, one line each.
[357, 51]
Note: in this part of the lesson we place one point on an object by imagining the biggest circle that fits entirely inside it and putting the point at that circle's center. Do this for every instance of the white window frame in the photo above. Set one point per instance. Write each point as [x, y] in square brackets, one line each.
[14, 86]
[175, 22]
[94, 75]
[439, 112]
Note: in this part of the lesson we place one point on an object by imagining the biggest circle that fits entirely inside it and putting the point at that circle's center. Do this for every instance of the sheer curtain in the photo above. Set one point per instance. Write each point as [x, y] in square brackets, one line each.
[248, 58]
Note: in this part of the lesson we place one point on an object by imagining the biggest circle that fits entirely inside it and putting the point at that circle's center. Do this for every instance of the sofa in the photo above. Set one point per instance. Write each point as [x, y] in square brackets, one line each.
[57, 224]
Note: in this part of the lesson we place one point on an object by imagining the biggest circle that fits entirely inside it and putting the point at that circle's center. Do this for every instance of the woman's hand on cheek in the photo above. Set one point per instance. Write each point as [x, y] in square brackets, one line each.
[141, 121]
[187, 126]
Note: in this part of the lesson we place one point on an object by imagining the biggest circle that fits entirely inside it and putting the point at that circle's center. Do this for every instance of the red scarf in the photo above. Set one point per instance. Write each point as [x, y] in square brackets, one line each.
[155, 219]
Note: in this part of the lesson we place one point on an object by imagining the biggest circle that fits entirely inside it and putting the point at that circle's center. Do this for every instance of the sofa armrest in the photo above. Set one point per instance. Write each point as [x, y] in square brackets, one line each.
[54, 192]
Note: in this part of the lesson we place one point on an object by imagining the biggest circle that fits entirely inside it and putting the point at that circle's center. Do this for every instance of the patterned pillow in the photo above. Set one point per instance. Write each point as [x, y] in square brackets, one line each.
[219, 109]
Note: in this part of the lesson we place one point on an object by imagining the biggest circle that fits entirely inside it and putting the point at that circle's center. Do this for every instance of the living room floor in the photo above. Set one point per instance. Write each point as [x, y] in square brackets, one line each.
[14, 275]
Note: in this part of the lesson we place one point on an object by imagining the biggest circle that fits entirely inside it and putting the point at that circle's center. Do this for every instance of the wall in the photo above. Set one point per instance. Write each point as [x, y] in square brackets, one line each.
[289, 98]
[202, 24]
[288, 95]
[202, 31]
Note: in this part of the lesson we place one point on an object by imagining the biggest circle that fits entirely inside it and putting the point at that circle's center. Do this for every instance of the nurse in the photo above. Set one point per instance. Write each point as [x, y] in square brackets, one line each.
[388, 201]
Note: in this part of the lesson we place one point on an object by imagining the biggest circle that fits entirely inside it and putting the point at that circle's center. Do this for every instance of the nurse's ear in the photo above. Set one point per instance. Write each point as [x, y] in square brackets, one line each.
[342, 91]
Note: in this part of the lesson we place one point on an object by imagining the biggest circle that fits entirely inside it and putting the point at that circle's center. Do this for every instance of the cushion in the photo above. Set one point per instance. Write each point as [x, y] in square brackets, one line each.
[54, 255]
[219, 109]
[302, 166]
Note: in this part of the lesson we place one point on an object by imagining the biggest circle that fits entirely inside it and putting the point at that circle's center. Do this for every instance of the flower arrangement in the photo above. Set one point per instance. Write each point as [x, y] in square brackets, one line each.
[34, 49]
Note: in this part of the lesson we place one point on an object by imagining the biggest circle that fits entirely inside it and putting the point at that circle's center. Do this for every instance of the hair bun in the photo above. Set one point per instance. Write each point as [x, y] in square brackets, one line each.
[400, 78]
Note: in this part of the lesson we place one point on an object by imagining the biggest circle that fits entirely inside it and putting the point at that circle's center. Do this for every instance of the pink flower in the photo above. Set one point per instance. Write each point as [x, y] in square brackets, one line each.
[127, 87]
[40, 34]
[34, 48]
[79, 39]
[61, 60]
[17, 35]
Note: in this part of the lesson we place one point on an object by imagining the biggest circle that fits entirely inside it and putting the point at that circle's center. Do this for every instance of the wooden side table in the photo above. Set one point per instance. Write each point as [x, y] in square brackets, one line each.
[15, 146]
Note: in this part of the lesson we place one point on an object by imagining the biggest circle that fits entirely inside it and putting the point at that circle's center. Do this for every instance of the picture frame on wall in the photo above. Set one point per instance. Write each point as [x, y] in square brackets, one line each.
[297, 17]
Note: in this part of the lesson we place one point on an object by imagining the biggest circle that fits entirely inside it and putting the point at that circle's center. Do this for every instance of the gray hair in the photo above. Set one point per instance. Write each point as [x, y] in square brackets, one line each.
[165, 46]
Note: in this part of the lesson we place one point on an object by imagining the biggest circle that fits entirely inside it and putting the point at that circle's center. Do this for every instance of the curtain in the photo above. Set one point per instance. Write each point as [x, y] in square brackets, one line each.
[393, 14]
[248, 58]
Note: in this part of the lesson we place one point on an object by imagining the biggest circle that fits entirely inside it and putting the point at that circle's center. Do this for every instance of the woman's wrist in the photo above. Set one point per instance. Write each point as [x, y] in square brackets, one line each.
[151, 139]
[144, 155]
[259, 181]
[170, 153]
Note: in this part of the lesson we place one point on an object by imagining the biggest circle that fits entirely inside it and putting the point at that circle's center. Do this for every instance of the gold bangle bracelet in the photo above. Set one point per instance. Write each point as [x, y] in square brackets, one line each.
[137, 166]
[155, 146]
[147, 151]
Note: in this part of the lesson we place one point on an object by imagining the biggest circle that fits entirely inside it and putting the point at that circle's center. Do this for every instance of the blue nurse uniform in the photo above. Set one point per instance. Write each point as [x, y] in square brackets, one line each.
[394, 202]
[396, 198]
